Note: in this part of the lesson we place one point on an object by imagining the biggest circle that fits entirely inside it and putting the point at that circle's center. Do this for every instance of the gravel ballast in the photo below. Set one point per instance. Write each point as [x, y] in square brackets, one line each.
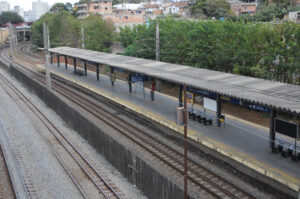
[47, 175]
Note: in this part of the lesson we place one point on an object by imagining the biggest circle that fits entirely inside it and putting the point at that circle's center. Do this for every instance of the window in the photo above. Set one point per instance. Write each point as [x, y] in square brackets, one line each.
[132, 12]
[96, 7]
[105, 1]
[105, 8]
[126, 17]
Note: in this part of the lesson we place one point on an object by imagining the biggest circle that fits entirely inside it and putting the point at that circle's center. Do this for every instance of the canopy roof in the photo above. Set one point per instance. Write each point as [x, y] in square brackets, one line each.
[272, 94]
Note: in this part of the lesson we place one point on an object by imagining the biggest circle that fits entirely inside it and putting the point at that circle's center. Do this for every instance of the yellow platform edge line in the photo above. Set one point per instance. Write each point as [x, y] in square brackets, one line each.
[267, 170]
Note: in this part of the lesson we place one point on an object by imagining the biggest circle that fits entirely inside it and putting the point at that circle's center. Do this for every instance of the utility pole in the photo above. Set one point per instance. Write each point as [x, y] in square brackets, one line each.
[82, 38]
[185, 143]
[2, 42]
[157, 53]
[12, 56]
[16, 39]
[157, 50]
[46, 49]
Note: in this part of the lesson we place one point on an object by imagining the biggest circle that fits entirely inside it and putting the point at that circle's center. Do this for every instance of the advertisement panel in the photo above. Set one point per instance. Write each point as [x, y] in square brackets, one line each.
[210, 104]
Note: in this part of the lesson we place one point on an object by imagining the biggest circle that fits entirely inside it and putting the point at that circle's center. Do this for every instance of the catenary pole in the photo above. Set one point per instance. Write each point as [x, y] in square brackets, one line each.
[82, 38]
[185, 144]
[12, 56]
[46, 49]
[157, 51]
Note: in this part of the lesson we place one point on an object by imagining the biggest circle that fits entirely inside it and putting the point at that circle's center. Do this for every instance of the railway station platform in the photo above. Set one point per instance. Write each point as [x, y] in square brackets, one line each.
[241, 141]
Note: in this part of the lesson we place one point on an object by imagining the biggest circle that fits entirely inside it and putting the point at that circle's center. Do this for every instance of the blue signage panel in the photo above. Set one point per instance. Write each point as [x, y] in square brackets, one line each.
[139, 78]
[119, 70]
[228, 99]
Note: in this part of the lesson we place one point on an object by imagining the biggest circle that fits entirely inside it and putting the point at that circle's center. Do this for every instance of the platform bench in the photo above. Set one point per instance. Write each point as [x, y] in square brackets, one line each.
[78, 72]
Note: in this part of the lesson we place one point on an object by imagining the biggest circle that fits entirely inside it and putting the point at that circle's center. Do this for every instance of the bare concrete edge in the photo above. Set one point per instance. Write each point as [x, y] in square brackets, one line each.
[152, 183]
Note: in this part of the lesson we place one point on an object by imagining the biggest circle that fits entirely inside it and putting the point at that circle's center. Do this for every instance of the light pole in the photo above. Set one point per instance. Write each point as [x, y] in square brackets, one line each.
[185, 144]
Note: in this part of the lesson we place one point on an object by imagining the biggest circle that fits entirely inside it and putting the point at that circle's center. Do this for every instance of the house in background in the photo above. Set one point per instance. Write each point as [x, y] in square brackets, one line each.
[240, 7]
[294, 16]
[96, 7]
[181, 8]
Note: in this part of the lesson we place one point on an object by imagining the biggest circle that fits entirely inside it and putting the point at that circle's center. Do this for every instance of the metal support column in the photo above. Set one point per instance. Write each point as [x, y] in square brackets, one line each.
[180, 104]
[24, 35]
[129, 83]
[152, 88]
[12, 53]
[97, 72]
[219, 111]
[185, 145]
[66, 62]
[85, 70]
[112, 77]
[272, 130]
[51, 57]
[46, 48]
[57, 60]
[75, 70]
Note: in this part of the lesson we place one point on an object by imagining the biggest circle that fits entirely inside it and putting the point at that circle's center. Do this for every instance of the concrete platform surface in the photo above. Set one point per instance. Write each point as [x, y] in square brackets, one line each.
[242, 141]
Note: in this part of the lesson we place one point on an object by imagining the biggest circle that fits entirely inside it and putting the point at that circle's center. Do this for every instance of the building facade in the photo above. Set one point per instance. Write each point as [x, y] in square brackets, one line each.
[38, 9]
[19, 10]
[4, 6]
[95, 7]
[244, 8]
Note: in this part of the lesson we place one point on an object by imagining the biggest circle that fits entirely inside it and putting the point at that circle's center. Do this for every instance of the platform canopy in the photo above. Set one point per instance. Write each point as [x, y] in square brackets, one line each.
[272, 94]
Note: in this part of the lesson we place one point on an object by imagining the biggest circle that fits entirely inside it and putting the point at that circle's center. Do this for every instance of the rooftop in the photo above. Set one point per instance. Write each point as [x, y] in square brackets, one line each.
[277, 95]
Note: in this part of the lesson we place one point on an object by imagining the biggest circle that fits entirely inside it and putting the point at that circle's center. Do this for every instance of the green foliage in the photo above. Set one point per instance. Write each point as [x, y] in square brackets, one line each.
[68, 7]
[58, 7]
[84, 1]
[261, 50]
[269, 12]
[64, 29]
[10, 17]
[99, 33]
[212, 8]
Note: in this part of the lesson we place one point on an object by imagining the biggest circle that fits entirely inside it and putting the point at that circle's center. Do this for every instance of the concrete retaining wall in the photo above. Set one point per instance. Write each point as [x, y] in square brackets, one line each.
[148, 180]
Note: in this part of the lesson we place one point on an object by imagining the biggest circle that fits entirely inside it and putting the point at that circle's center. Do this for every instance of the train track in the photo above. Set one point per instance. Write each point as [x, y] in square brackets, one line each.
[7, 188]
[27, 189]
[200, 176]
[72, 160]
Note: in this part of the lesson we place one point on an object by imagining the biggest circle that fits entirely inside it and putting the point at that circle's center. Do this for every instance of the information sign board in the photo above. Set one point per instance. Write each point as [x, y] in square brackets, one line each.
[139, 78]
[210, 104]
[286, 128]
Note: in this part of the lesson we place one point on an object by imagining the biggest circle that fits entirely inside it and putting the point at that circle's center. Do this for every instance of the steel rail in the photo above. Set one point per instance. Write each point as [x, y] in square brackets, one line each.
[29, 103]
[6, 163]
[177, 153]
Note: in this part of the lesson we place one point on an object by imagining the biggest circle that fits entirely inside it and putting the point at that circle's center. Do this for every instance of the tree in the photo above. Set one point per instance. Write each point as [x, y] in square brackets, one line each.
[10, 17]
[64, 30]
[84, 1]
[263, 50]
[212, 8]
[99, 33]
[69, 6]
[58, 7]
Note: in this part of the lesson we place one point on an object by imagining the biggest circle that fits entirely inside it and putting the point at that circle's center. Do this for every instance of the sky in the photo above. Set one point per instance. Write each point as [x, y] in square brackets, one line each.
[27, 4]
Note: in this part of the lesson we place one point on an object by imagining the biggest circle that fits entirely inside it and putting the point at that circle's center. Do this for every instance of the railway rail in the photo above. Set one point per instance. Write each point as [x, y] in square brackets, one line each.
[5, 172]
[200, 176]
[28, 189]
[102, 185]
